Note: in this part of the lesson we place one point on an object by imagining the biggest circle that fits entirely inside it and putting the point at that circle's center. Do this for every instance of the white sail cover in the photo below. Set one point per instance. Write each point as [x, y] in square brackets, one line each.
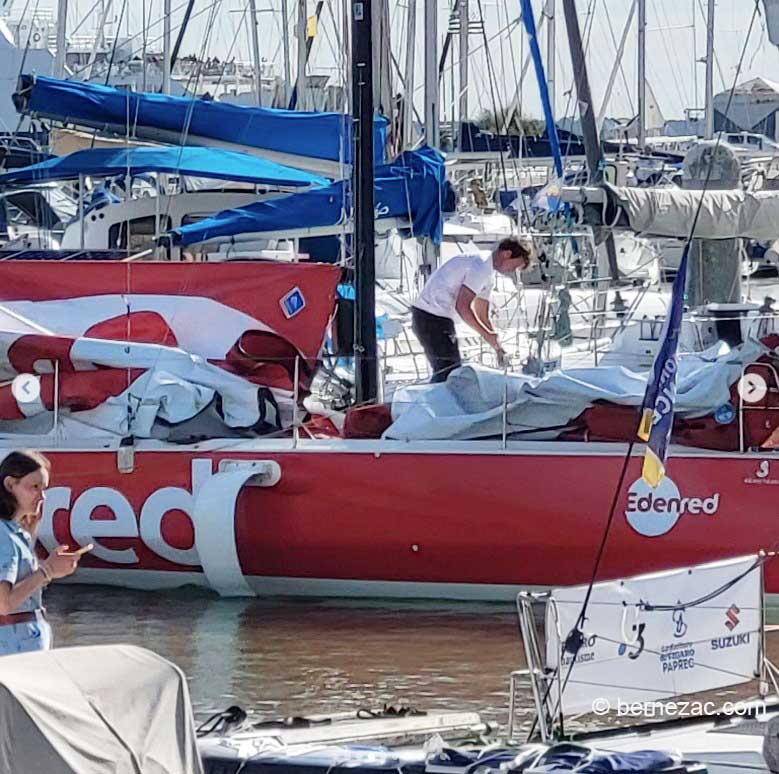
[724, 215]
[90, 710]
[470, 404]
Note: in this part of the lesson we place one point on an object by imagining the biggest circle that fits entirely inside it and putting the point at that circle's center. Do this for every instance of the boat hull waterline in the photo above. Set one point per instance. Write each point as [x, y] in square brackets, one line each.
[378, 519]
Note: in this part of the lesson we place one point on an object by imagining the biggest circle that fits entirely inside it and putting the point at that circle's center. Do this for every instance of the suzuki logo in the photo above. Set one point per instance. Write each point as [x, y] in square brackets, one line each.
[732, 616]
[763, 470]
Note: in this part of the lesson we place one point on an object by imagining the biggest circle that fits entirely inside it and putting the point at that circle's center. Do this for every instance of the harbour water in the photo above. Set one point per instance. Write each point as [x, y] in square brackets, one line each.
[282, 658]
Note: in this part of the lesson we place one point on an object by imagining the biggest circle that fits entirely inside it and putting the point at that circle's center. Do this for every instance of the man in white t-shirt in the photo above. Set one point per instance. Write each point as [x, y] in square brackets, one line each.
[461, 288]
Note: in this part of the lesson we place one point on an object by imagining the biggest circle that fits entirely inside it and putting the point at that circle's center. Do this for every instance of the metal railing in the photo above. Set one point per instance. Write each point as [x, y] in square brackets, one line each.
[539, 679]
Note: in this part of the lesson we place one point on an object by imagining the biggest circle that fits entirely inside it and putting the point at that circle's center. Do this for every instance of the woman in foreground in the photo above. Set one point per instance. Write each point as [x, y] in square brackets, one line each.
[24, 478]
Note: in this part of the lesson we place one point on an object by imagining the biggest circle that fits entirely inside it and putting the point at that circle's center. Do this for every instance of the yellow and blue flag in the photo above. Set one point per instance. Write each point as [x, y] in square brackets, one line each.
[657, 410]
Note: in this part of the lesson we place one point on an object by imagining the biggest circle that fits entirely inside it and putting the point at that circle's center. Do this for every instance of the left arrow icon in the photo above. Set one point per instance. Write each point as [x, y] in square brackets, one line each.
[26, 388]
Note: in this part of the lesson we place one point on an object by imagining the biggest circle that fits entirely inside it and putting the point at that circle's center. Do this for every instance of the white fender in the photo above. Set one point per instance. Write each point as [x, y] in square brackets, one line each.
[214, 519]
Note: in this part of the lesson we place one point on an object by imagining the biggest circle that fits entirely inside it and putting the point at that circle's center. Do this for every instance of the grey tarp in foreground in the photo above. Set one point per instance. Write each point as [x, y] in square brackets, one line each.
[724, 214]
[94, 710]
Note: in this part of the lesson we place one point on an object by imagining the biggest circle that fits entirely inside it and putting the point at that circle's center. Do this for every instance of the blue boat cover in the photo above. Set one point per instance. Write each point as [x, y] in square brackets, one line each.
[192, 161]
[313, 135]
[221, 757]
[414, 187]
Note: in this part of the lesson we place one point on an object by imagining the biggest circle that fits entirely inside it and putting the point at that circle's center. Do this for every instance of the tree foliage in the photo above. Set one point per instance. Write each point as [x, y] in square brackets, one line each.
[495, 121]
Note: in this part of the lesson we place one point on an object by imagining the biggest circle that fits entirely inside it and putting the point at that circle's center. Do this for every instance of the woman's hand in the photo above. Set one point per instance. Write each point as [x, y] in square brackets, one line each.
[62, 562]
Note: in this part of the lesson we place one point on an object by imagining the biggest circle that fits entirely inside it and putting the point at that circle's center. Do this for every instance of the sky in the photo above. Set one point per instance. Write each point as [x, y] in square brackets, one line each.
[675, 38]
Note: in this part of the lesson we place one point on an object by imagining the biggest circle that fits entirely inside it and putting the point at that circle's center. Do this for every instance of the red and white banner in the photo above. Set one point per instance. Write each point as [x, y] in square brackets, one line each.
[172, 336]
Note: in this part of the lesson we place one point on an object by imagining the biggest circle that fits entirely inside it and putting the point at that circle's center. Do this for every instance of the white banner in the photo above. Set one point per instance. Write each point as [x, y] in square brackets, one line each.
[633, 653]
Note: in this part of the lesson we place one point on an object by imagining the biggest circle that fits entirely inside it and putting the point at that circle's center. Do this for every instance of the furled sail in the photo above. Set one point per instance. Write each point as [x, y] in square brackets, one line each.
[319, 141]
[213, 163]
[412, 190]
[670, 212]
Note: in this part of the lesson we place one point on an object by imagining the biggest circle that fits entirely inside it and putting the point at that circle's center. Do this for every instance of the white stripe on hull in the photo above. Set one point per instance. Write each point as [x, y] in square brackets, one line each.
[150, 580]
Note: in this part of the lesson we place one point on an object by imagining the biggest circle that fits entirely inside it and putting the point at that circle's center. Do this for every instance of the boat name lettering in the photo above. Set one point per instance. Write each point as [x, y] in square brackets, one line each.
[654, 511]
[679, 664]
[680, 505]
[126, 523]
[677, 657]
[673, 648]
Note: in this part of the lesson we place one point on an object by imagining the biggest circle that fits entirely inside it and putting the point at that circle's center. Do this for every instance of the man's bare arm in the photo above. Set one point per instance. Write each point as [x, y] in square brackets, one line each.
[481, 308]
[466, 299]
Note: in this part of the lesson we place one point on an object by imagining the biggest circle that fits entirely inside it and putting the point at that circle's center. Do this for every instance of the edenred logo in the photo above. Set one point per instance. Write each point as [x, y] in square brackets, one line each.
[655, 511]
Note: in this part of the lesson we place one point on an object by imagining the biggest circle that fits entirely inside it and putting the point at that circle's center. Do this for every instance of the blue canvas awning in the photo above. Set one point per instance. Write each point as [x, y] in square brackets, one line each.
[281, 135]
[194, 162]
[412, 189]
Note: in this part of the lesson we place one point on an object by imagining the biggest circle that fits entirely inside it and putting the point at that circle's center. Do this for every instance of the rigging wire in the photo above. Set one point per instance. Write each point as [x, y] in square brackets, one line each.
[133, 38]
[665, 33]
[114, 46]
[628, 90]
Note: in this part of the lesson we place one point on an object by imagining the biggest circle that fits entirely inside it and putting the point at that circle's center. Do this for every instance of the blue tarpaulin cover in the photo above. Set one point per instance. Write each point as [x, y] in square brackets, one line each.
[195, 162]
[413, 188]
[315, 135]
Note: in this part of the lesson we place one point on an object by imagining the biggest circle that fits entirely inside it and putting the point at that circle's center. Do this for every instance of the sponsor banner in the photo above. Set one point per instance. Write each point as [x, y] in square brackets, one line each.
[632, 652]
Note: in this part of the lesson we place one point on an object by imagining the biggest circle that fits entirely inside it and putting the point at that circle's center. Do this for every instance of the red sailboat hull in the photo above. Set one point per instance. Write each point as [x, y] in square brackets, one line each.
[462, 520]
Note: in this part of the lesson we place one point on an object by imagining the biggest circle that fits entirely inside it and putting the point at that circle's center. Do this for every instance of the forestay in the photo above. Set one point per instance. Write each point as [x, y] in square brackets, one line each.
[89, 710]
[658, 636]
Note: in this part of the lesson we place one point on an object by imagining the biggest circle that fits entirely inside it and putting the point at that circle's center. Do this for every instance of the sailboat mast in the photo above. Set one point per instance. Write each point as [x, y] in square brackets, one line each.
[365, 347]
[285, 49]
[182, 31]
[431, 74]
[256, 50]
[463, 101]
[641, 74]
[551, 43]
[411, 47]
[535, 51]
[62, 24]
[709, 128]
[592, 147]
[301, 87]
[166, 49]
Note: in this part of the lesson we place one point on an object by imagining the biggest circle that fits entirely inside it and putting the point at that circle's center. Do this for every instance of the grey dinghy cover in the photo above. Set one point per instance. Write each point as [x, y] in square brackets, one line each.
[724, 215]
[94, 710]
